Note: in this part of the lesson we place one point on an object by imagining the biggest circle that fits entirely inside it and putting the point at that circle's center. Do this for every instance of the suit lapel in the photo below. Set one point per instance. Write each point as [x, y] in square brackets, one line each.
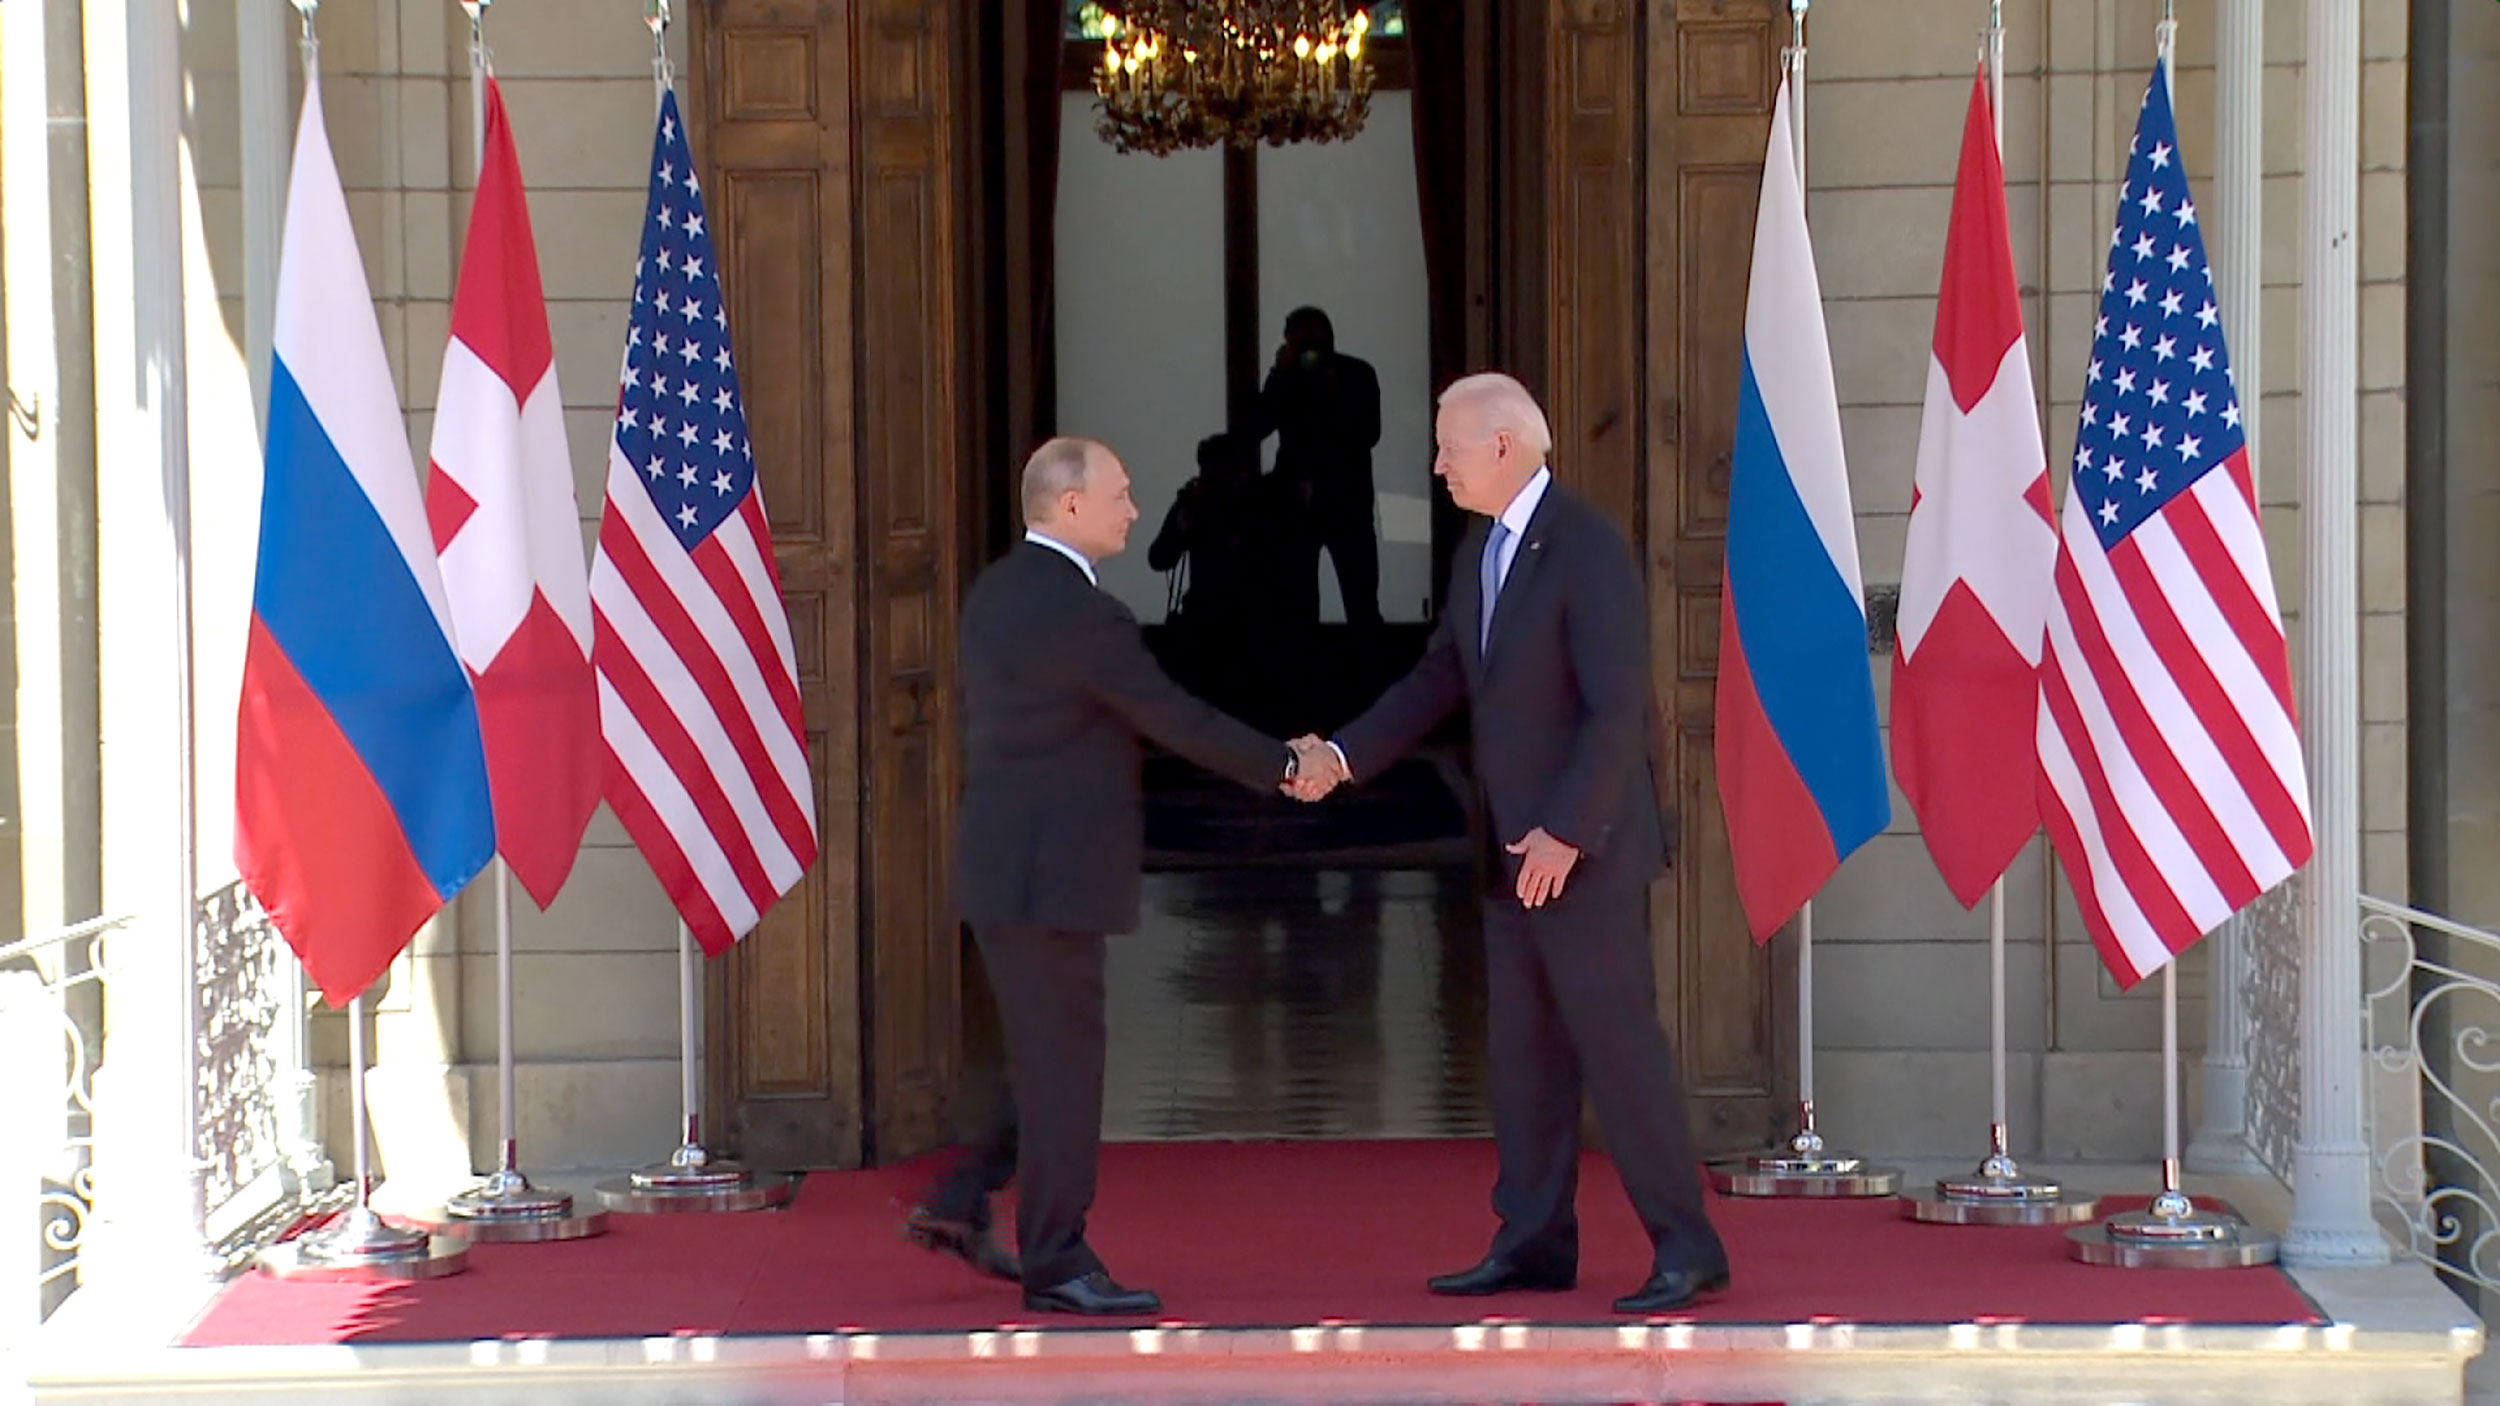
[1467, 598]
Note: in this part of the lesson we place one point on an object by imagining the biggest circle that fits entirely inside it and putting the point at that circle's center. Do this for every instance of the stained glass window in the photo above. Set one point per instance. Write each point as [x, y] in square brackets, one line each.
[1085, 18]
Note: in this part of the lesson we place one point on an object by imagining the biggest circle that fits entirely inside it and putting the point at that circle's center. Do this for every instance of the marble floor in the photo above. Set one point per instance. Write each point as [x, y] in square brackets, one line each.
[1288, 1003]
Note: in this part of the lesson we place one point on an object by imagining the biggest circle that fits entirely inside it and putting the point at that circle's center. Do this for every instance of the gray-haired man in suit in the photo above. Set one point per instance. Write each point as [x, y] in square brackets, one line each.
[1546, 639]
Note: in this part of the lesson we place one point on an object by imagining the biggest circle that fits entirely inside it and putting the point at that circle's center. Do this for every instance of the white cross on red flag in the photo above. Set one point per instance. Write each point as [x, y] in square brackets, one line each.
[505, 522]
[1975, 574]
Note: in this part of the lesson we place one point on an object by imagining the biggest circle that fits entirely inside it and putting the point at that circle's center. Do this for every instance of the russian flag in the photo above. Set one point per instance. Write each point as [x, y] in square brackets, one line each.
[1800, 755]
[360, 789]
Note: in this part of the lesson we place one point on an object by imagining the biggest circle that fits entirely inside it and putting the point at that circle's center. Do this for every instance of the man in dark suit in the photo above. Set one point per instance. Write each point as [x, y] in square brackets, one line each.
[1546, 638]
[1058, 687]
[1324, 409]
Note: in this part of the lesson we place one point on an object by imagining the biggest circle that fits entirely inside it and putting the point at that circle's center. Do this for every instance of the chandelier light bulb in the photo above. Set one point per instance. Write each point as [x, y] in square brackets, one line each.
[1362, 23]
[1186, 74]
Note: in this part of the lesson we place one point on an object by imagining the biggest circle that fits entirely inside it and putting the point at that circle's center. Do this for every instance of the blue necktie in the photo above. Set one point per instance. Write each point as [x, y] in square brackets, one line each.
[1489, 575]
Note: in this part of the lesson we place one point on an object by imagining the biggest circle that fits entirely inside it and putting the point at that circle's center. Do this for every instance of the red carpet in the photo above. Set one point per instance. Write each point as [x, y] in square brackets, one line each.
[1248, 1234]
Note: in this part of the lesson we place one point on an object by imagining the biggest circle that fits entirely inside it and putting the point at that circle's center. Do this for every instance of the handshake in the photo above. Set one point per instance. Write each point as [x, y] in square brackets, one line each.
[1317, 769]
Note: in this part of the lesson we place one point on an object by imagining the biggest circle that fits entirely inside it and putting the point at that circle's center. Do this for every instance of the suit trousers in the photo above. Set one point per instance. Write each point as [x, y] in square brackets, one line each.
[1049, 985]
[1572, 1008]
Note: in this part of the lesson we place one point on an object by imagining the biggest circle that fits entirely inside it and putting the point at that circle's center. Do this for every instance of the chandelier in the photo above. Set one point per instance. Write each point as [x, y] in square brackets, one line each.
[1194, 73]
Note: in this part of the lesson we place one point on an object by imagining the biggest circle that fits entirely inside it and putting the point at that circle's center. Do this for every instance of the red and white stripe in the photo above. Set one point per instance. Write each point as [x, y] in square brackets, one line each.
[1976, 571]
[508, 529]
[699, 702]
[2169, 753]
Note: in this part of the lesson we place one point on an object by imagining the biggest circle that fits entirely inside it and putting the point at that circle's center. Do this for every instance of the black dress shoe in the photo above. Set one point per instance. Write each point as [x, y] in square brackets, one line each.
[1498, 1276]
[964, 1240]
[1095, 1293]
[1671, 1289]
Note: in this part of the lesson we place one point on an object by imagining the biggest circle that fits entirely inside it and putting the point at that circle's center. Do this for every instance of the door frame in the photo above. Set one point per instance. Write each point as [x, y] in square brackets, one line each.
[1605, 102]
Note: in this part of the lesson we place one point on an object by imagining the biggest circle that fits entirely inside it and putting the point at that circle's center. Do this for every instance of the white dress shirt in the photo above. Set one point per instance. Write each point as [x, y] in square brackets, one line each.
[1515, 518]
[1063, 549]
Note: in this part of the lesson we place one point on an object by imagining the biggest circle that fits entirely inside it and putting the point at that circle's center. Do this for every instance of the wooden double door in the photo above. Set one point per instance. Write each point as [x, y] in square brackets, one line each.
[1616, 152]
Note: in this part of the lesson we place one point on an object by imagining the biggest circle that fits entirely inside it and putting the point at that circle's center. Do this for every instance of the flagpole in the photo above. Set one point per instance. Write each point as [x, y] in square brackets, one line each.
[1797, 87]
[504, 1207]
[1996, 1018]
[1999, 1191]
[689, 1031]
[691, 1179]
[478, 73]
[1996, 70]
[2172, 1232]
[359, 1245]
[1803, 1166]
[1808, 1141]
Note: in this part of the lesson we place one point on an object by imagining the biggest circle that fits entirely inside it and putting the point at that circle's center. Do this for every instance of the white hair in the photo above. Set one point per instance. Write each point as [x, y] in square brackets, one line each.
[1499, 402]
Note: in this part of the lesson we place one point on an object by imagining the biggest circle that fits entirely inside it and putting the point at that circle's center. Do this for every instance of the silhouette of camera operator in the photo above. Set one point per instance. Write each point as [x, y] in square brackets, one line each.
[1324, 409]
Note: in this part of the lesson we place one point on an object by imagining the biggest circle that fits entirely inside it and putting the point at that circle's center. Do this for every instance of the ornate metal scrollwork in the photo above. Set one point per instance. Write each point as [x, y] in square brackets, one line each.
[2434, 1032]
[51, 1007]
[2271, 996]
[243, 996]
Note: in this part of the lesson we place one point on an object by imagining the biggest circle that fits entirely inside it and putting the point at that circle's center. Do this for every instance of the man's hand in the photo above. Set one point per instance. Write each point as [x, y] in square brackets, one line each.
[1316, 769]
[1546, 862]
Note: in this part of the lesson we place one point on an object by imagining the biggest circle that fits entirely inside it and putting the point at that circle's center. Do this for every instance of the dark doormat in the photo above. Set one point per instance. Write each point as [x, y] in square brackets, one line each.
[1410, 816]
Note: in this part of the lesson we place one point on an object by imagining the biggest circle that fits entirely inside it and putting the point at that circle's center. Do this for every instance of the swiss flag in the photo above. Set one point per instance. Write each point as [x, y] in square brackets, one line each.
[1976, 577]
[500, 503]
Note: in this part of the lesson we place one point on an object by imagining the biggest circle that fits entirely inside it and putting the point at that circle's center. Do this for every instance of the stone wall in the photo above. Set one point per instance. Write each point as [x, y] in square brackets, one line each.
[1902, 1005]
[1902, 985]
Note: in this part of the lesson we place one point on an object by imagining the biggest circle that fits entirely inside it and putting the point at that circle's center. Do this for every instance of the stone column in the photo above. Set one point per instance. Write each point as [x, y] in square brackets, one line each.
[149, 1249]
[2331, 1222]
[2221, 1140]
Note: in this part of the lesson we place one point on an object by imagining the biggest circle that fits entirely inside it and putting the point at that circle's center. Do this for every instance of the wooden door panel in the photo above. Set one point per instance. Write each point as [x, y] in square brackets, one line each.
[770, 106]
[1592, 111]
[1712, 69]
[912, 430]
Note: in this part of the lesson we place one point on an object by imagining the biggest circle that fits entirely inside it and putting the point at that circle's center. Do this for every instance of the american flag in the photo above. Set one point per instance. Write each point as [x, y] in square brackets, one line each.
[698, 690]
[2171, 775]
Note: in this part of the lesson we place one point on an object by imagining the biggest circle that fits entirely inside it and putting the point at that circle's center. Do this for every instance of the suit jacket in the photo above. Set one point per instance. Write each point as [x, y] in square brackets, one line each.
[1058, 687]
[1562, 711]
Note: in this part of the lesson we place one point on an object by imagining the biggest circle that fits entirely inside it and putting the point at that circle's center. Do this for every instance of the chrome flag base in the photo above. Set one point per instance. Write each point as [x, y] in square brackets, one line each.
[2173, 1233]
[693, 1180]
[2000, 1193]
[1804, 1168]
[506, 1209]
[361, 1247]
